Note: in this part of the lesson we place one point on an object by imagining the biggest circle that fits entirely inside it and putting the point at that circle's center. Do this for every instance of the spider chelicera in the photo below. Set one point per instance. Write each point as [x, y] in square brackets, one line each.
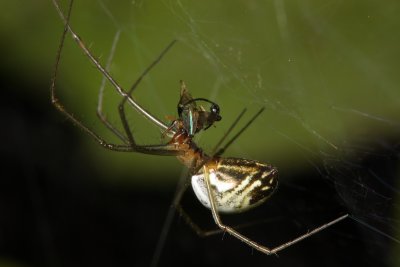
[224, 185]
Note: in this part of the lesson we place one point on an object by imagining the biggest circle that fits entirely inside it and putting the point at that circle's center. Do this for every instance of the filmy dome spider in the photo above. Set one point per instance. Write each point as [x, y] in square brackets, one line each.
[229, 185]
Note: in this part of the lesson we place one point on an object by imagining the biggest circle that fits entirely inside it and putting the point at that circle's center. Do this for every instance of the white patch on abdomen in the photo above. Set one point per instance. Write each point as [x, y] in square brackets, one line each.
[200, 188]
[228, 202]
[237, 184]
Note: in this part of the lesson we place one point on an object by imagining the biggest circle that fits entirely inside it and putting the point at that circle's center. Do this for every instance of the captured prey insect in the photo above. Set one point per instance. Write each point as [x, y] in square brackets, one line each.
[229, 185]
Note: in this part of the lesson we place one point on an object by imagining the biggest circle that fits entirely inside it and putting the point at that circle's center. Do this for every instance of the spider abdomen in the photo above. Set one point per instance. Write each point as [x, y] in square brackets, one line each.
[238, 184]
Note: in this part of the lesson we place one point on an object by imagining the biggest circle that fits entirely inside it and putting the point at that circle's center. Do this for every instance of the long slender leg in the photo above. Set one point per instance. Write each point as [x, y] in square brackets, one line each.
[235, 122]
[121, 107]
[247, 240]
[162, 149]
[99, 112]
[200, 232]
[223, 149]
[97, 64]
[179, 191]
[204, 233]
[56, 102]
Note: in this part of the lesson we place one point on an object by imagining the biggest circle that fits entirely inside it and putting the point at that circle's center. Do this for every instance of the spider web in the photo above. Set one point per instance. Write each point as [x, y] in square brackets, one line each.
[325, 71]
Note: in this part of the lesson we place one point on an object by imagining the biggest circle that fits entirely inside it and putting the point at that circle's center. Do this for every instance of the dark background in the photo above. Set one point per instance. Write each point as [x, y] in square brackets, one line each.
[56, 210]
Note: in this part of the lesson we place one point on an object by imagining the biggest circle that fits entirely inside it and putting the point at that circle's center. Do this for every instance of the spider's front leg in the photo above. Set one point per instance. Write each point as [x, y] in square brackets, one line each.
[56, 101]
[99, 111]
[128, 96]
[161, 149]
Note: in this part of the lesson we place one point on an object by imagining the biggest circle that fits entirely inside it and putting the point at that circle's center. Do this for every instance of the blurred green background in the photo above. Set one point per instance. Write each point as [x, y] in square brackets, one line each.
[327, 73]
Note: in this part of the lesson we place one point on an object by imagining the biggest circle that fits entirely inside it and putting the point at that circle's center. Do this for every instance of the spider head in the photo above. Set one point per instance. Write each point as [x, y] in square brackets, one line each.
[194, 117]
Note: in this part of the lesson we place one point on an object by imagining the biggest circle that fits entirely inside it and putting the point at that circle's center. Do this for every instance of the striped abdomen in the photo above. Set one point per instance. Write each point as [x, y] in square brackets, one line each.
[238, 184]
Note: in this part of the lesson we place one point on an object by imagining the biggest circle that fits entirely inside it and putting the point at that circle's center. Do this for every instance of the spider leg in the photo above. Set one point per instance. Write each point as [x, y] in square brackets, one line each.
[162, 149]
[228, 132]
[104, 72]
[99, 112]
[205, 233]
[195, 227]
[121, 106]
[57, 103]
[179, 191]
[247, 240]
[223, 149]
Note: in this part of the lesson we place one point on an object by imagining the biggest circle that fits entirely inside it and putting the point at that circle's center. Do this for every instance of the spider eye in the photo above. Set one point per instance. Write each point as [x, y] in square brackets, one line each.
[214, 109]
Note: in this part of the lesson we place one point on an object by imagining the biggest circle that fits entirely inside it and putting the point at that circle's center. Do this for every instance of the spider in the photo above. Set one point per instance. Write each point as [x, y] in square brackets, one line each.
[224, 185]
